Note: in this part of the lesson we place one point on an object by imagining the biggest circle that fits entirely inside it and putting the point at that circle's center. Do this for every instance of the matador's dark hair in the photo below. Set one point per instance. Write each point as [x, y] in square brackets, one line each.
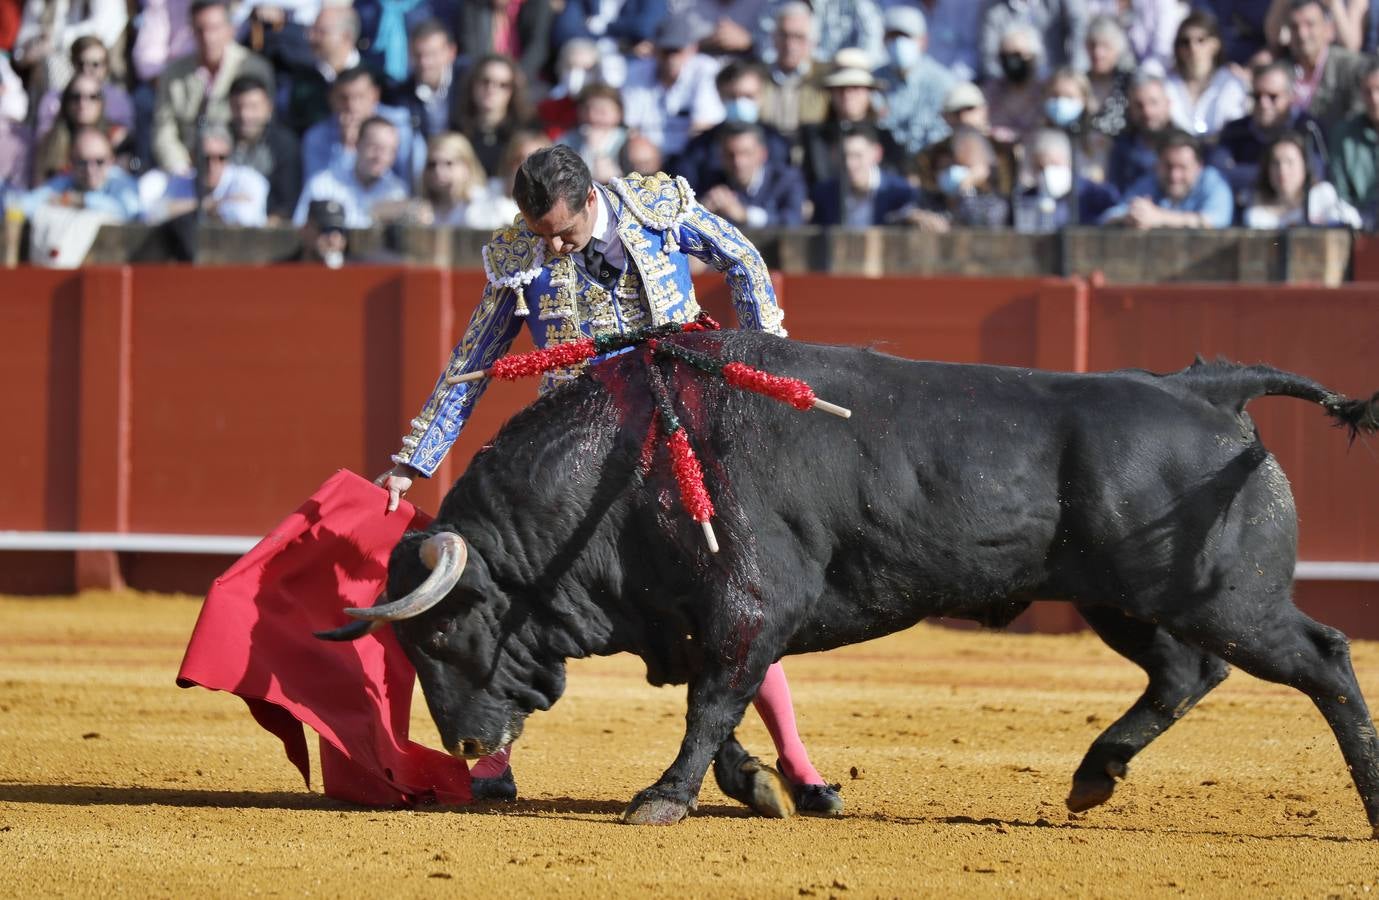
[551, 174]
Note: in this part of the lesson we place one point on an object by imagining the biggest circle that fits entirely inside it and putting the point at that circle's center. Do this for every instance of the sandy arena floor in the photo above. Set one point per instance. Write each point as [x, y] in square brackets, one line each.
[115, 782]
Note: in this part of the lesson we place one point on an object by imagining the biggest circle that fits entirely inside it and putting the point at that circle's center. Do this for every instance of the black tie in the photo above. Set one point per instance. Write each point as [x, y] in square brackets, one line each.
[597, 267]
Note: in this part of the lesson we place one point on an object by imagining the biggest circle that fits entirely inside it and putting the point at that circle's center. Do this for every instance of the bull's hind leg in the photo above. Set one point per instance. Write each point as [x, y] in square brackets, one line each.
[750, 782]
[1179, 676]
[1286, 647]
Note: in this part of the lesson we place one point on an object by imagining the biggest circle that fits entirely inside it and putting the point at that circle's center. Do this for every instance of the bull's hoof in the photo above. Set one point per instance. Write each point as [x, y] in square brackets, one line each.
[769, 792]
[819, 799]
[654, 811]
[501, 789]
[1094, 790]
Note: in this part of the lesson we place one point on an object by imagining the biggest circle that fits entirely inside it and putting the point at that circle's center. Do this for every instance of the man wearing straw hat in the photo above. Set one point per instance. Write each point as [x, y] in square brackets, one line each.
[583, 260]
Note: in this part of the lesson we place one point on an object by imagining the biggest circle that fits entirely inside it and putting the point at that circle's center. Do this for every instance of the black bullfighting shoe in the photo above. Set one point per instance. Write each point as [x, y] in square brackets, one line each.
[502, 788]
[816, 799]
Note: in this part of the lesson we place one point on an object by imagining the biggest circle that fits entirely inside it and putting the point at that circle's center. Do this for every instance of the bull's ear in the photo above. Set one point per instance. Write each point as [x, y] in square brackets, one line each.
[350, 632]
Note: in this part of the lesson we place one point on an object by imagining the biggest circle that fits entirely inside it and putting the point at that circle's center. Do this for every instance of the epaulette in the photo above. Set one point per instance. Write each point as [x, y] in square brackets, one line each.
[513, 258]
[657, 201]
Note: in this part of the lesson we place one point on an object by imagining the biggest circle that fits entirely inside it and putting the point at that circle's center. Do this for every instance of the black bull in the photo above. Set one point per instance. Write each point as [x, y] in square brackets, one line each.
[1146, 501]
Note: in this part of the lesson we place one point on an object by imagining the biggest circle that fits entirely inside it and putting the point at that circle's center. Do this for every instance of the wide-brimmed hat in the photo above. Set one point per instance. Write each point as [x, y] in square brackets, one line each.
[851, 68]
[963, 95]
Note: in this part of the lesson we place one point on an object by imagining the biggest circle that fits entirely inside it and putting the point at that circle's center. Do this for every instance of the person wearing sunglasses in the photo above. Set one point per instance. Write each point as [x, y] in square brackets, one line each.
[82, 106]
[227, 193]
[94, 182]
[1240, 146]
[89, 57]
[1203, 89]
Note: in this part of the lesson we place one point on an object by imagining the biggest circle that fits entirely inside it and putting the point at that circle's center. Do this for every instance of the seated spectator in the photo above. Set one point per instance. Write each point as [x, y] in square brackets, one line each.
[1241, 144]
[641, 155]
[196, 88]
[863, 194]
[1134, 154]
[850, 92]
[1014, 94]
[1354, 20]
[600, 136]
[453, 190]
[844, 24]
[383, 29]
[1148, 26]
[793, 95]
[367, 183]
[90, 58]
[333, 39]
[965, 105]
[94, 182]
[43, 46]
[576, 68]
[490, 108]
[1326, 77]
[331, 142]
[517, 29]
[264, 145]
[323, 236]
[1069, 107]
[1355, 152]
[1203, 90]
[16, 144]
[1288, 194]
[82, 106]
[739, 87]
[671, 97]
[426, 93]
[753, 190]
[1056, 27]
[955, 28]
[616, 27]
[228, 193]
[1111, 72]
[1242, 27]
[913, 83]
[1059, 196]
[1182, 192]
[967, 194]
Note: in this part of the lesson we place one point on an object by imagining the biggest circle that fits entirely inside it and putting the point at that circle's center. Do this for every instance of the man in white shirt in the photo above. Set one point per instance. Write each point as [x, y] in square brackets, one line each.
[672, 96]
[368, 184]
[232, 194]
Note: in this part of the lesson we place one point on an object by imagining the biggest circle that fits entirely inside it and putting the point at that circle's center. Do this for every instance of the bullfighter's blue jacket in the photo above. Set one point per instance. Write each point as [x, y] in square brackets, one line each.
[659, 223]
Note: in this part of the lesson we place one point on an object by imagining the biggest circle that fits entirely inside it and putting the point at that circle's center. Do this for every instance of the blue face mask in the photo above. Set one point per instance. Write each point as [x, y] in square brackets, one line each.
[904, 52]
[741, 109]
[950, 180]
[1063, 111]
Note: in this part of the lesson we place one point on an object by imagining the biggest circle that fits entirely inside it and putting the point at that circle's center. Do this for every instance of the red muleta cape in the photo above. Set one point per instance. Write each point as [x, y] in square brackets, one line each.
[254, 639]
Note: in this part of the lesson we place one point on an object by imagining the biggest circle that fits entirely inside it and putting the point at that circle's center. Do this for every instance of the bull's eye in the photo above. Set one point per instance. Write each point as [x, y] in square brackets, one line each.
[438, 640]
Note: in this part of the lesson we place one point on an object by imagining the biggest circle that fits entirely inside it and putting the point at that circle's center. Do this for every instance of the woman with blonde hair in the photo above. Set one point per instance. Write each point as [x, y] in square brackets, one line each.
[453, 190]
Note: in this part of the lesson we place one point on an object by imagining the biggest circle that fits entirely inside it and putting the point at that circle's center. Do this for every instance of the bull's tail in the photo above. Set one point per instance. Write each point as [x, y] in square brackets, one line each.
[1226, 384]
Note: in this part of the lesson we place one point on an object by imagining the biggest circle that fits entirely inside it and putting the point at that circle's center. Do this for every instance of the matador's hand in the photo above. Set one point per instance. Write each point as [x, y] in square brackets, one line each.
[396, 481]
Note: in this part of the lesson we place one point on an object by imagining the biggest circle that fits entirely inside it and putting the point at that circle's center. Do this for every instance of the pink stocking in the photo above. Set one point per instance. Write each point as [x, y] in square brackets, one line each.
[778, 712]
[493, 765]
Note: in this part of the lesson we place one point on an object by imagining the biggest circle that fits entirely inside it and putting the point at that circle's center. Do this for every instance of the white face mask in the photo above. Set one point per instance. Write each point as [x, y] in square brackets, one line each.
[333, 259]
[1058, 181]
[573, 81]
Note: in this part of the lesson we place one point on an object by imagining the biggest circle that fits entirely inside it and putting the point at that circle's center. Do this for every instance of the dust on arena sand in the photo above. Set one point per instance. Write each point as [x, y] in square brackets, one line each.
[114, 781]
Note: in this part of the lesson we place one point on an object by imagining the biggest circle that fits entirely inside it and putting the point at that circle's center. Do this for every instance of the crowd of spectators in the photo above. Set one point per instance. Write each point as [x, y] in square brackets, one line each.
[930, 114]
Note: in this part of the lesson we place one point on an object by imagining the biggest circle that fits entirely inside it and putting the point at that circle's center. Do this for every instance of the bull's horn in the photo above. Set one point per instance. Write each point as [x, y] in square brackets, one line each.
[445, 555]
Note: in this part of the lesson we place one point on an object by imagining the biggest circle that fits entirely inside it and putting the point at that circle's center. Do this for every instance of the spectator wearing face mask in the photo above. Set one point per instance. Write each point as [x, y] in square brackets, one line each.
[670, 97]
[914, 85]
[1016, 94]
[965, 106]
[1135, 152]
[863, 194]
[616, 27]
[1059, 26]
[967, 195]
[1057, 196]
[739, 88]
[1070, 107]
[576, 68]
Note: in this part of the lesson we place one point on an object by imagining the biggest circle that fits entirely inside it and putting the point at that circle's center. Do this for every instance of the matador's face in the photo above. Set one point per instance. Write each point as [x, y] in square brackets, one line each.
[565, 230]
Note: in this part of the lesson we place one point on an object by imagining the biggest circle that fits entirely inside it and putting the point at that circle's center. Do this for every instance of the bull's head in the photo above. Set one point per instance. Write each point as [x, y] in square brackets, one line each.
[478, 658]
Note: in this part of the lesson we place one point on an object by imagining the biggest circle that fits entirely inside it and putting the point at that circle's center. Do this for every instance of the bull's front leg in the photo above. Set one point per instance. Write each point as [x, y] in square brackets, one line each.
[718, 697]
